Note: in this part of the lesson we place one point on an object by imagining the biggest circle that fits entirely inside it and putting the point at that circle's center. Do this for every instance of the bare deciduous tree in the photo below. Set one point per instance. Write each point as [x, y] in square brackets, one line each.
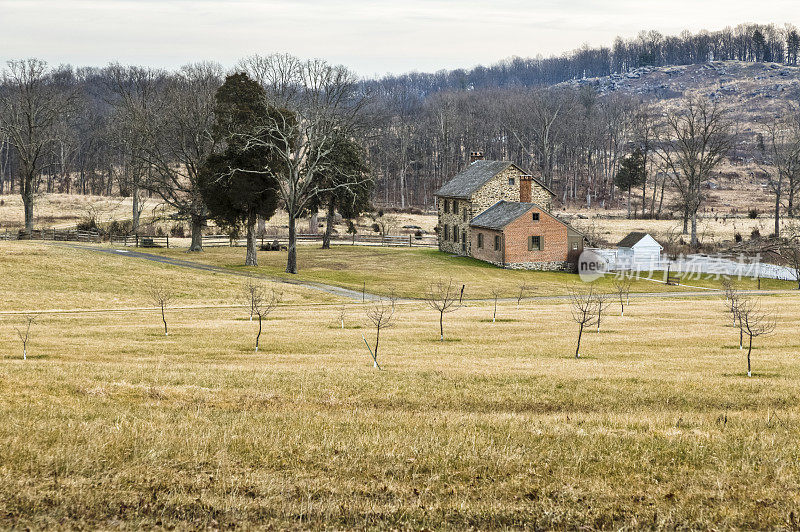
[601, 301]
[342, 314]
[32, 108]
[584, 311]
[24, 336]
[523, 289]
[622, 284]
[381, 313]
[495, 296]
[318, 102]
[695, 140]
[442, 298]
[262, 303]
[754, 322]
[161, 296]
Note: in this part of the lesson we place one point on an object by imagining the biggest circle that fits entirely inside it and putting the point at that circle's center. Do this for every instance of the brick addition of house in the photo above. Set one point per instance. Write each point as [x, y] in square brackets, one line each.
[496, 212]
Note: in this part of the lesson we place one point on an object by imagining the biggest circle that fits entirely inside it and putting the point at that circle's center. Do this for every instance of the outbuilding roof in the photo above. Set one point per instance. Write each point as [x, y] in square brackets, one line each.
[631, 239]
[474, 176]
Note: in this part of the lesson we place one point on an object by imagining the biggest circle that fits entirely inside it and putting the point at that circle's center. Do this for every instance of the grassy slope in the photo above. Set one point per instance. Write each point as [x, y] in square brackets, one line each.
[409, 272]
[111, 424]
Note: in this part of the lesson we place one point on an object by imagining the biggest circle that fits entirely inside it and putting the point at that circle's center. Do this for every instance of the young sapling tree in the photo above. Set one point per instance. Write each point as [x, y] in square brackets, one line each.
[442, 298]
[162, 296]
[342, 314]
[584, 312]
[381, 313]
[25, 335]
[495, 296]
[601, 302]
[622, 285]
[755, 322]
[523, 288]
[263, 302]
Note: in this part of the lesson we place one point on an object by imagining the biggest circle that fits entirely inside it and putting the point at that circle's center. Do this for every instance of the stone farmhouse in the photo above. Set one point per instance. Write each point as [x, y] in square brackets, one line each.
[496, 212]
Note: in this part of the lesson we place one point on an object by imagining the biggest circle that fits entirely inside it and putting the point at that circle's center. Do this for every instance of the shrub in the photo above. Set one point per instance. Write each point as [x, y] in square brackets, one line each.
[737, 237]
[376, 228]
[159, 231]
[178, 231]
[752, 214]
[87, 224]
[755, 234]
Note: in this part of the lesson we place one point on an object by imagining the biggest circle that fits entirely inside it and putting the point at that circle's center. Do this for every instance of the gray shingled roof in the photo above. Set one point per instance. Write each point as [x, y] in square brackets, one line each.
[472, 178]
[501, 214]
[631, 240]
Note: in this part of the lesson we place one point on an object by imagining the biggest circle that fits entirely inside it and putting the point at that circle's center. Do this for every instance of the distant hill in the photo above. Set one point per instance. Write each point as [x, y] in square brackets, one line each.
[753, 90]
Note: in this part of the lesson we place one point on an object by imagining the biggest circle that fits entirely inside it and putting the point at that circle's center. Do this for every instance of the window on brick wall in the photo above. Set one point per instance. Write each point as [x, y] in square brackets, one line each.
[496, 242]
[535, 216]
[534, 243]
[480, 240]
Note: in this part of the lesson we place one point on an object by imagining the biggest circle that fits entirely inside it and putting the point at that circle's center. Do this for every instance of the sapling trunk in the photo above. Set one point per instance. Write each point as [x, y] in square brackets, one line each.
[578, 347]
[441, 326]
[258, 336]
[749, 349]
[164, 319]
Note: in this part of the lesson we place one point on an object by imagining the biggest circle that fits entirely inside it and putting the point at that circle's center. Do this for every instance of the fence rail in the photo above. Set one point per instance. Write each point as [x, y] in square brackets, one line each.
[140, 241]
[73, 235]
[357, 240]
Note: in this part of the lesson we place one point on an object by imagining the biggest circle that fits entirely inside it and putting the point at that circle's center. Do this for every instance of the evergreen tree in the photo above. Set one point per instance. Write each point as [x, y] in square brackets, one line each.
[759, 45]
[631, 174]
[233, 181]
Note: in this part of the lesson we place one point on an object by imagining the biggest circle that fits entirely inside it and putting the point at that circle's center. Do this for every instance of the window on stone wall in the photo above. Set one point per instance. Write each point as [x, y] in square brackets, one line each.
[466, 214]
[574, 246]
[534, 243]
[480, 240]
[511, 181]
[535, 216]
[446, 231]
[496, 242]
[455, 233]
[446, 206]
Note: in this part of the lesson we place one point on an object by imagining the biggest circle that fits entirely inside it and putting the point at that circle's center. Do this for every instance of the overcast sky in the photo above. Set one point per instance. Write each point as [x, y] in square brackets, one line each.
[371, 37]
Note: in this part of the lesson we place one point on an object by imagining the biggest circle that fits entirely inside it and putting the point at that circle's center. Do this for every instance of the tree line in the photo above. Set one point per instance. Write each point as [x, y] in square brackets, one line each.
[319, 134]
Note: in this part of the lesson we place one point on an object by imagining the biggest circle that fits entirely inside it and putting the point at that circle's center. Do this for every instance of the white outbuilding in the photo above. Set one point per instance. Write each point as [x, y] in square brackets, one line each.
[639, 249]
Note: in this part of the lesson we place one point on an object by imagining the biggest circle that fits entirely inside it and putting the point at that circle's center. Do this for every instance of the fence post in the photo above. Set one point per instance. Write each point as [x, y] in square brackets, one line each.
[167, 241]
[137, 240]
[409, 240]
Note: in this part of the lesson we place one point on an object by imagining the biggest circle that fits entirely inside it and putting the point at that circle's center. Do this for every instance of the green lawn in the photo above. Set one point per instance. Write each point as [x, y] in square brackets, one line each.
[409, 272]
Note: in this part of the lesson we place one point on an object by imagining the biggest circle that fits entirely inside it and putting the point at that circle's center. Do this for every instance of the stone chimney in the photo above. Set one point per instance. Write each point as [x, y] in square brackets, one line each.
[476, 156]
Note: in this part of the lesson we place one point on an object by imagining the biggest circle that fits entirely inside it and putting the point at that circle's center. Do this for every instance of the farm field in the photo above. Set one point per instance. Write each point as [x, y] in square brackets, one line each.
[409, 272]
[110, 424]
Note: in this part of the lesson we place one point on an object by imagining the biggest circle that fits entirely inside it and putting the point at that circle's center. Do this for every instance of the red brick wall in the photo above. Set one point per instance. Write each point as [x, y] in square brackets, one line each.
[487, 252]
[556, 246]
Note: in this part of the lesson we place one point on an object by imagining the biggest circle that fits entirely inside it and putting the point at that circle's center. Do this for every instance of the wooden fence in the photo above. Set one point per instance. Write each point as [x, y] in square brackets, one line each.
[72, 234]
[140, 241]
[357, 240]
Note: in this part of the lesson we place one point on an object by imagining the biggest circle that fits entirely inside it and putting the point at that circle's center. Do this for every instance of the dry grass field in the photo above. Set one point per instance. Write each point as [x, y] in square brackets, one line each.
[66, 210]
[110, 424]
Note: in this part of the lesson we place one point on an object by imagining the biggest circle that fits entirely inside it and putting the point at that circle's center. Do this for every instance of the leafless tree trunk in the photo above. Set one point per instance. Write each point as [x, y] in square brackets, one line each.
[31, 110]
[584, 312]
[755, 322]
[381, 313]
[25, 336]
[696, 139]
[161, 296]
[442, 297]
